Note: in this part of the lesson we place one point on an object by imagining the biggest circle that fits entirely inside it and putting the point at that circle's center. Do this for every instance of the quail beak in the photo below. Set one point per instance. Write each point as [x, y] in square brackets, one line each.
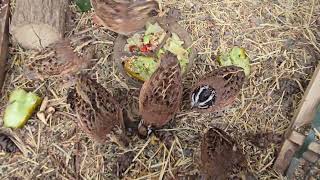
[194, 105]
[150, 130]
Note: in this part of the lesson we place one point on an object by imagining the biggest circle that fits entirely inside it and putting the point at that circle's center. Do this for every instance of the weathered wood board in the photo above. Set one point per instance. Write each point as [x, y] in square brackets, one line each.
[307, 109]
[304, 115]
[4, 37]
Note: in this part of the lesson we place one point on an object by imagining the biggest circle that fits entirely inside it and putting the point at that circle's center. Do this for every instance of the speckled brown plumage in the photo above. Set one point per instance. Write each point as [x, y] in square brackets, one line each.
[226, 82]
[160, 96]
[219, 155]
[57, 60]
[98, 113]
[124, 16]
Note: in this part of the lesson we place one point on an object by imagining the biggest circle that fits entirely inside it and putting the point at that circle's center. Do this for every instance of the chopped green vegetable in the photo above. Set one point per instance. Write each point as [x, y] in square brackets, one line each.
[184, 64]
[146, 39]
[141, 67]
[238, 57]
[20, 108]
[175, 46]
[153, 29]
[135, 40]
[160, 52]
[84, 5]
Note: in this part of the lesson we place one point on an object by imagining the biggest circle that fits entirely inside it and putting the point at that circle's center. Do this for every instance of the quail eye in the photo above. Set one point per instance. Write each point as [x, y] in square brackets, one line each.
[153, 12]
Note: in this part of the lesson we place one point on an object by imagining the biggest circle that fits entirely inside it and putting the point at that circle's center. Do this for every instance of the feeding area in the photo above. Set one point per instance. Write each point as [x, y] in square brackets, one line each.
[180, 89]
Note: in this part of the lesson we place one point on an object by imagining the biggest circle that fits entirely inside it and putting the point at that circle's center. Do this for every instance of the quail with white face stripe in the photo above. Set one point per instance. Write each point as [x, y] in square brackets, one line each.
[217, 89]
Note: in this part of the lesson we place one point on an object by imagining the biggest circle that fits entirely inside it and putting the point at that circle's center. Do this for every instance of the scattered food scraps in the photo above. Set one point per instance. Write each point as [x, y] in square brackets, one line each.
[236, 56]
[141, 67]
[20, 108]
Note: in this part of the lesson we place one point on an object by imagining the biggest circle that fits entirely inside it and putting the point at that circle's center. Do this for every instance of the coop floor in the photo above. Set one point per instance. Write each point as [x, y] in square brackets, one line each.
[282, 39]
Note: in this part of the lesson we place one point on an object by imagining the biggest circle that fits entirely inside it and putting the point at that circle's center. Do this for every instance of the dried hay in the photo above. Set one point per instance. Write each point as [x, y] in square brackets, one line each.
[282, 39]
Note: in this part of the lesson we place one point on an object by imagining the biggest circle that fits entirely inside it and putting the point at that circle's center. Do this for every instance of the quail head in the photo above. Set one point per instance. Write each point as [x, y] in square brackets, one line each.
[124, 16]
[217, 89]
[161, 95]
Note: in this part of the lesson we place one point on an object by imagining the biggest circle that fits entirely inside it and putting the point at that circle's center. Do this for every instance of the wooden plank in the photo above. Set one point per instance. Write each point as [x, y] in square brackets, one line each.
[290, 146]
[298, 138]
[307, 109]
[4, 37]
[304, 115]
[284, 157]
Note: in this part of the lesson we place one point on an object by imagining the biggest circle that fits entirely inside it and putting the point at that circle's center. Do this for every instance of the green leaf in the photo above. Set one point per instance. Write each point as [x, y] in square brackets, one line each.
[141, 67]
[84, 5]
[153, 28]
[20, 108]
[174, 45]
[135, 40]
[146, 39]
[160, 52]
[238, 57]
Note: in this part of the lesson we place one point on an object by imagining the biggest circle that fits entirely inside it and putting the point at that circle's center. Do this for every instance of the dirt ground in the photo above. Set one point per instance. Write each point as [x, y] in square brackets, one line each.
[281, 37]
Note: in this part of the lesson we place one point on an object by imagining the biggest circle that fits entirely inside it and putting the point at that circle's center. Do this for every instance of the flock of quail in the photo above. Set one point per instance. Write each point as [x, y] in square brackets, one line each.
[101, 116]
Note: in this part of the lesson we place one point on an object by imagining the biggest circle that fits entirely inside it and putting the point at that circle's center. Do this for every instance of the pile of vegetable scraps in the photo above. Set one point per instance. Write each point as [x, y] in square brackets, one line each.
[141, 66]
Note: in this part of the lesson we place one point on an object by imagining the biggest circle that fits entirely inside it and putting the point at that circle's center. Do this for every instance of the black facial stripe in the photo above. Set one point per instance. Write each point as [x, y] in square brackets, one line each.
[206, 93]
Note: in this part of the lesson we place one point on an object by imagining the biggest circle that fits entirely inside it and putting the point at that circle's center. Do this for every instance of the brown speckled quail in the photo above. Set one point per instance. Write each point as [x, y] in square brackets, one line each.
[219, 155]
[57, 60]
[217, 89]
[161, 95]
[124, 16]
[98, 113]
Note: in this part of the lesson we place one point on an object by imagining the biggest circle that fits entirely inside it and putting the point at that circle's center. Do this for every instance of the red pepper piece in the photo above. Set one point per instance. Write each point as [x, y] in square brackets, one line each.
[144, 48]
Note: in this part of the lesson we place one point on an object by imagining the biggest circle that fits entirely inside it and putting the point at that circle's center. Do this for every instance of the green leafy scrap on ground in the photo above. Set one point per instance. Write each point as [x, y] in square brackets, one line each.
[20, 108]
[236, 56]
